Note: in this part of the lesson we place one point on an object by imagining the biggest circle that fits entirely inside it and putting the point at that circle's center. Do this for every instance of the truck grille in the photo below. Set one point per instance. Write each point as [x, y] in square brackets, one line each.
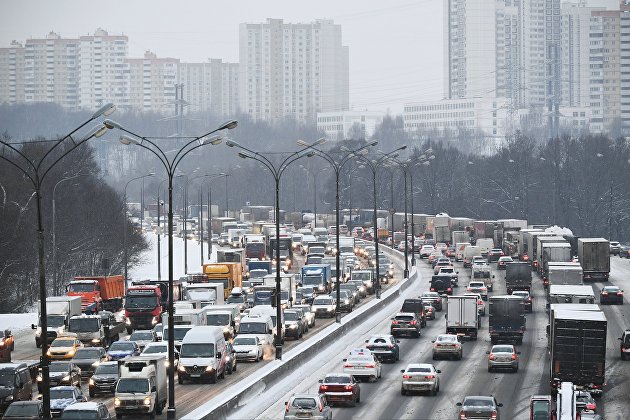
[195, 370]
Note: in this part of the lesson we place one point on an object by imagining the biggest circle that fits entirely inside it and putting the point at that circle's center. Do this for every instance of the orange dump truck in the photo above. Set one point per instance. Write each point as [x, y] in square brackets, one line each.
[99, 292]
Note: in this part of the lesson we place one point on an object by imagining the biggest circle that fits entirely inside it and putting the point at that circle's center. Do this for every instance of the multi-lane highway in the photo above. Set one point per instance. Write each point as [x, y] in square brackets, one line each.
[382, 399]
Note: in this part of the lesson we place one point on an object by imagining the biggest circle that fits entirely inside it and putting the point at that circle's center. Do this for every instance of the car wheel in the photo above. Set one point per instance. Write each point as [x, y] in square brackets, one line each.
[402, 391]
[516, 369]
[91, 393]
[180, 380]
[118, 416]
[434, 358]
[433, 392]
[129, 330]
[214, 377]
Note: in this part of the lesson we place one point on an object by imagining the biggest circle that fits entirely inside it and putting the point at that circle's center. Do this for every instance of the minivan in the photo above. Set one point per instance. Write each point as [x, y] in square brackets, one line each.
[216, 316]
[202, 355]
[260, 326]
[16, 381]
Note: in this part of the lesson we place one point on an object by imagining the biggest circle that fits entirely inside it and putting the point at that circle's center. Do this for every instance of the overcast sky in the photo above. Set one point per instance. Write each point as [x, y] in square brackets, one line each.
[395, 46]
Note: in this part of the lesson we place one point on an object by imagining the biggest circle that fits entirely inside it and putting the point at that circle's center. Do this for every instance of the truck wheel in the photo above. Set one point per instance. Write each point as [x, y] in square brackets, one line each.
[159, 408]
[213, 378]
[38, 344]
[118, 416]
[91, 394]
[180, 380]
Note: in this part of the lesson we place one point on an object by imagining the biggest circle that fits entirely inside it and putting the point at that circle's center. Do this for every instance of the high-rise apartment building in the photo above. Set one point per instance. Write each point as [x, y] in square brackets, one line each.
[102, 69]
[152, 82]
[12, 74]
[292, 70]
[210, 87]
[51, 67]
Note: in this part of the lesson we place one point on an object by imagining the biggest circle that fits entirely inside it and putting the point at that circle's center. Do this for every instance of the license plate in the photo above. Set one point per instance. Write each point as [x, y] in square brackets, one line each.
[195, 375]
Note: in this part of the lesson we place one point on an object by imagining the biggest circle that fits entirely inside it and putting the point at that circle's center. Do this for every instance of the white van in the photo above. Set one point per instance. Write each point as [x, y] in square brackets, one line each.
[485, 245]
[459, 250]
[203, 355]
[260, 326]
[228, 320]
[270, 311]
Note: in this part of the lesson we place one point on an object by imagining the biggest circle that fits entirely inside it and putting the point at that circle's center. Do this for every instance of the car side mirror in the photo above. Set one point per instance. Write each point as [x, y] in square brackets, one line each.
[499, 404]
[518, 352]
[438, 371]
[433, 341]
[402, 370]
[321, 381]
[369, 340]
[286, 403]
[459, 404]
[398, 341]
[219, 355]
[33, 326]
[487, 352]
[344, 360]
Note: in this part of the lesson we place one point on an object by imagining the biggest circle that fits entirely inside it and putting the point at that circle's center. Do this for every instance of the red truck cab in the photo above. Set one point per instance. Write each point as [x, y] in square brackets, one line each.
[143, 307]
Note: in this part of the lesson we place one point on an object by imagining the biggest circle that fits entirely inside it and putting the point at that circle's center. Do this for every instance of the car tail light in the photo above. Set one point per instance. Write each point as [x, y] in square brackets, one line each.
[605, 293]
[348, 387]
[348, 365]
[394, 322]
[449, 289]
[491, 357]
[323, 387]
[535, 264]
[494, 414]
[479, 302]
[620, 293]
[514, 357]
[412, 323]
[469, 289]
[370, 365]
[406, 376]
[433, 289]
[429, 377]
[462, 415]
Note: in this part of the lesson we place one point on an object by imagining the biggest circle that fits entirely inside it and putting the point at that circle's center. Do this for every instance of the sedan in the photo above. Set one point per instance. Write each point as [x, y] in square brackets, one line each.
[61, 373]
[360, 287]
[478, 287]
[426, 250]
[433, 298]
[503, 261]
[64, 347]
[384, 347]
[25, 410]
[121, 349]
[494, 254]
[584, 401]
[611, 295]
[429, 310]
[293, 326]
[63, 396]
[310, 316]
[88, 358]
[346, 300]
[503, 356]
[420, 377]
[352, 289]
[527, 299]
[311, 406]
[479, 407]
[365, 366]
[143, 337]
[340, 388]
[624, 251]
[324, 306]
[447, 345]
[104, 379]
[248, 348]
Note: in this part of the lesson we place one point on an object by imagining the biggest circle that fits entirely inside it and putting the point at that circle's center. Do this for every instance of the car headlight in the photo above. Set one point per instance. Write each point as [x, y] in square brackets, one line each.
[39, 378]
[66, 378]
[321, 287]
[9, 398]
[71, 352]
[293, 326]
[226, 330]
[91, 381]
[147, 401]
[96, 340]
[347, 301]
[181, 368]
[209, 369]
[117, 402]
[95, 364]
[155, 321]
[167, 363]
[49, 353]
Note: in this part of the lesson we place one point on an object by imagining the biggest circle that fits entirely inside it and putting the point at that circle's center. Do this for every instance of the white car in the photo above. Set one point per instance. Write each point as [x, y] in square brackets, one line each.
[160, 348]
[478, 287]
[420, 377]
[248, 348]
[310, 316]
[426, 250]
[324, 306]
[364, 366]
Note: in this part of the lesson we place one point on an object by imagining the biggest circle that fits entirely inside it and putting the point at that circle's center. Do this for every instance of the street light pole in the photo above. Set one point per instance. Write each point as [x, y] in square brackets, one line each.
[125, 224]
[374, 165]
[36, 173]
[337, 165]
[276, 171]
[170, 165]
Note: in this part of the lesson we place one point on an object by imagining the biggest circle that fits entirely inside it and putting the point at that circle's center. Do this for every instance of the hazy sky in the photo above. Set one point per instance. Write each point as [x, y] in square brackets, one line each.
[395, 46]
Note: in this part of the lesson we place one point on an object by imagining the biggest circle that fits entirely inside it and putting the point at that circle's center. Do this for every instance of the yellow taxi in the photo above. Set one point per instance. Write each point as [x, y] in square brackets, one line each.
[64, 347]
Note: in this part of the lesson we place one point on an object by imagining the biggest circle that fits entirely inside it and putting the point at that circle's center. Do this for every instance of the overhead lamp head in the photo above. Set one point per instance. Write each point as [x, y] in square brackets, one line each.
[127, 140]
[319, 141]
[374, 143]
[214, 140]
[232, 143]
[403, 147]
[97, 131]
[243, 155]
[150, 174]
[228, 125]
[431, 157]
[429, 151]
[107, 109]
[302, 143]
[111, 124]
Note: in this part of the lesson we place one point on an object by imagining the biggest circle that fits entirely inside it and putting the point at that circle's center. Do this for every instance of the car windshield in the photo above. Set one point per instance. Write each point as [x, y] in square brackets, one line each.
[88, 354]
[59, 367]
[477, 402]
[179, 333]
[325, 301]
[60, 394]
[471, 284]
[132, 385]
[291, 316]
[83, 324]
[197, 350]
[121, 346]
[235, 299]
[135, 302]
[141, 336]
[360, 276]
[218, 320]
[341, 379]
[244, 341]
[7, 377]
[521, 294]
[304, 403]
[56, 321]
[80, 414]
[155, 349]
[502, 349]
[360, 359]
[62, 343]
[21, 410]
[106, 369]
[404, 318]
[306, 291]
[610, 289]
[253, 328]
[446, 338]
[312, 280]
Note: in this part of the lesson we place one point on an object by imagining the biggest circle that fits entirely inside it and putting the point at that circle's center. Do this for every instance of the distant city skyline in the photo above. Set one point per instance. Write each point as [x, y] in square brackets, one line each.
[395, 50]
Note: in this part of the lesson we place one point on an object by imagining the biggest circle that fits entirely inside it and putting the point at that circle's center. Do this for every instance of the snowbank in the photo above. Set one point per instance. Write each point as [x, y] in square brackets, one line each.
[17, 322]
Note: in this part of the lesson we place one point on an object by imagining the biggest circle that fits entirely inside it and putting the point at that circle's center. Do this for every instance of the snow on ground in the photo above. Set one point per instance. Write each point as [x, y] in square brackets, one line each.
[17, 322]
[148, 267]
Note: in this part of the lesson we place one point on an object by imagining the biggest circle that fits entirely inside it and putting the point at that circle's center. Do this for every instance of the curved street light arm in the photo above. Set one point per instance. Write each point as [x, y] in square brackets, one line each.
[23, 156]
[288, 162]
[160, 157]
[176, 162]
[33, 181]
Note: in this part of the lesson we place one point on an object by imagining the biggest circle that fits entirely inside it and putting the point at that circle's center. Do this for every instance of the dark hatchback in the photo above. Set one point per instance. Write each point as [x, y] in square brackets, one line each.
[479, 407]
[611, 295]
[416, 306]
